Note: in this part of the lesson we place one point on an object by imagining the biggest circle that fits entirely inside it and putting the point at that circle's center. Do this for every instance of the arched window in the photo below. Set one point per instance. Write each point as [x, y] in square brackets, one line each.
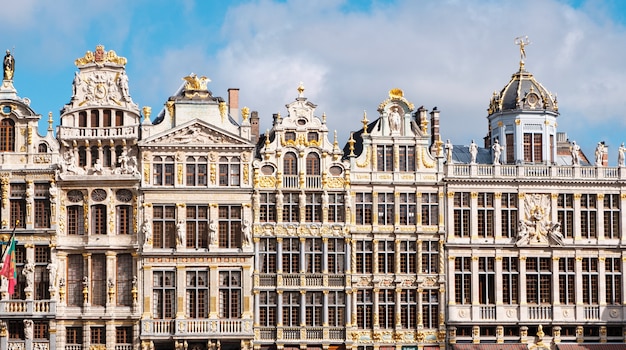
[42, 148]
[95, 118]
[312, 164]
[290, 164]
[82, 156]
[7, 135]
[98, 219]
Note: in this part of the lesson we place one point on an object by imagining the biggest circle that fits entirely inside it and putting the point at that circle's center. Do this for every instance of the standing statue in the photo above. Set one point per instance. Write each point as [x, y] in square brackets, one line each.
[497, 151]
[29, 273]
[395, 120]
[247, 237]
[9, 66]
[575, 151]
[180, 232]
[621, 153]
[473, 150]
[122, 81]
[600, 149]
[449, 148]
[28, 329]
[212, 232]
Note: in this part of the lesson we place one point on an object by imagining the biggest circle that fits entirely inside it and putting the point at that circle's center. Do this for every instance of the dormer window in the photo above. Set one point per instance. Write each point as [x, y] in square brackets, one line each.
[7, 135]
[312, 136]
[290, 135]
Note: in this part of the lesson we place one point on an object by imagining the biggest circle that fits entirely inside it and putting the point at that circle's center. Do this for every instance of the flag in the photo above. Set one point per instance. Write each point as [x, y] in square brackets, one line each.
[8, 266]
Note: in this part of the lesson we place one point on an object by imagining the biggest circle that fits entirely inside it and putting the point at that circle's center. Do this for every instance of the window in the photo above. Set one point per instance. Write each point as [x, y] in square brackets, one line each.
[95, 118]
[312, 136]
[229, 226]
[364, 257]
[313, 164]
[533, 148]
[290, 136]
[590, 281]
[41, 330]
[197, 226]
[42, 205]
[163, 294]
[407, 208]
[364, 308]
[386, 204]
[82, 156]
[124, 279]
[462, 214]
[510, 149]
[407, 158]
[430, 209]
[336, 207]
[485, 215]
[119, 118]
[408, 308]
[196, 171]
[313, 308]
[106, 156]
[538, 280]
[313, 255]
[509, 214]
[290, 255]
[565, 214]
[267, 255]
[510, 280]
[291, 207]
[291, 309]
[106, 118]
[430, 308]
[164, 226]
[124, 335]
[385, 157]
[229, 171]
[41, 285]
[267, 207]
[74, 335]
[123, 218]
[7, 135]
[430, 257]
[95, 154]
[75, 280]
[386, 310]
[290, 164]
[313, 207]
[408, 257]
[336, 256]
[486, 280]
[18, 205]
[588, 215]
[20, 261]
[230, 294]
[364, 207]
[75, 220]
[99, 219]
[611, 216]
[567, 284]
[197, 294]
[98, 290]
[42, 148]
[336, 309]
[268, 302]
[613, 281]
[82, 119]
[98, 335]
[163, 171]
[463, 280]
[386, 257]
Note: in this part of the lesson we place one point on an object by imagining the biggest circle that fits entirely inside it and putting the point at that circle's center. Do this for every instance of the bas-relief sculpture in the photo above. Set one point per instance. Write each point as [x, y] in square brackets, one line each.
[536, 227]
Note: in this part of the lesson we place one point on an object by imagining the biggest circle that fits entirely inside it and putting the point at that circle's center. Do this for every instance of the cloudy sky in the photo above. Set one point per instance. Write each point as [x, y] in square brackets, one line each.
[452, 54]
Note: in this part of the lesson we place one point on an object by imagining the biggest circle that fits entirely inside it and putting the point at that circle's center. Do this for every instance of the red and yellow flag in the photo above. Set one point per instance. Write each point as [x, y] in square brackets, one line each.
[8, 266]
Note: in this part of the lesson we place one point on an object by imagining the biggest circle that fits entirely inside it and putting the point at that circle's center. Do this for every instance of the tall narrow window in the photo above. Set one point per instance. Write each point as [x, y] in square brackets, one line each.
[95, 155]
[291, 207]
[533, 148]
[510, 280]
[230, 294]
[364, 257]
[538, 280]
[291, 255]
[364, 308]
[313, 255]
[99, 219]
[164, 226]
[364, 207]
[336, 207]
[407, 158]
[430, 209]
[313, 164]
[385, 157]
[291, 309]
[386, 204]
[74, 280]
[463, 280]
[7, 135]
[196, 171]
[462, 214]
[268, 305]
[267, 255]
[567, 278]
[123, 216]
[430, 257]
[42, 205]
[124, 279]
[229, 171]
[386, 257]
[430, 308]
[509, 214]
[75, 220]
[313, 207]
[229, 226]
[486, 281]
[408, 257]
[42, 284]
[290, 164]
[336, 308]
[197, 226]
[95, 118]
[197, 294]
[407, 208]
[565, 213]
[408, 308]
[588, 216]
[336, 256]
[510, 149]
[386, 309]
[18, 205]
[163, 294]
[98, 280]
[267, 207]
[119, 118]
[590, 281]
[485, 215]
[611, 216]
[613, 274]
[313, 307]
[163, 171]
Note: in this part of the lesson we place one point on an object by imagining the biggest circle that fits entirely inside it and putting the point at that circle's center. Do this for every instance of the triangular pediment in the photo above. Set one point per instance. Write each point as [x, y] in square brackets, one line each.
[195, 133]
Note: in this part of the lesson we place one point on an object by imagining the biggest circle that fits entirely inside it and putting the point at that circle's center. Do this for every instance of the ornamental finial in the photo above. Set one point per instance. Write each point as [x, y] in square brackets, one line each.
[522, 41]
[301, 90]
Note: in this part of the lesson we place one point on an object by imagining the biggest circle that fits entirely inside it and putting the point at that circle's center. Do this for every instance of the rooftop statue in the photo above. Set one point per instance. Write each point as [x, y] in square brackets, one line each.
[9, 66]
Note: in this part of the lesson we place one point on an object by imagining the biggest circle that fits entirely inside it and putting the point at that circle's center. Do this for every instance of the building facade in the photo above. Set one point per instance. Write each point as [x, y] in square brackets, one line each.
[191, 230]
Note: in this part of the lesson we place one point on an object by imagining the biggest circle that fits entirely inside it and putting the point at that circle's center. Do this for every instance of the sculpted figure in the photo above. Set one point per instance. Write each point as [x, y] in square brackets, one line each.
[621, 151]
[575, 151]
[394, 120]
[497, 151]
[449, 149]
[9, 66]
[473, 150]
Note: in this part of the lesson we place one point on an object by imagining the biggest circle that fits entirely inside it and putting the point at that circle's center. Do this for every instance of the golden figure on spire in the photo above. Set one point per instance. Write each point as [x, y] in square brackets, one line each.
[522, 41]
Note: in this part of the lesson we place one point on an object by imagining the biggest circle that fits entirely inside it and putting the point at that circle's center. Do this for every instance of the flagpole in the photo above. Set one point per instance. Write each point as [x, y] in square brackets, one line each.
[17, 222]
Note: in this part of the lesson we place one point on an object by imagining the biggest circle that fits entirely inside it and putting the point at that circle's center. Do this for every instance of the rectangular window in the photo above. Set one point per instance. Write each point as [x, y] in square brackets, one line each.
[590, 281]
[268, 305]
[408, 308]
[407, 158]
[430, 209]
[386, 257]
[42, 205]
[98, 290]
[485, 215]
[533, 148]
[611, 216]
[18, 205]
[123, 216]
[313, 207]
[267, 255]
[98, 219]
[510, 280]
[462, 214]
[386, 204]
[291, 207]
[42, 275]
[408, 257]
[385, 157]
[407, 208]
[314, 307]
[364, 257]
[364, 308]
[567, 278]
[124, 279]
[267, 207]
[613, 268]
[75, 220]
[41, 330]
[430, 257]
[291, 309]
[510, 148]
[463, 280]
[336, 308]
[386, 309]
[75, 280]
[124, 335]
[565, 214]
[509, 214]
[229, 226]
[98, 335]
[486, 281]
[74, 335]
[538, 280]
[197, 224]
[197, 294]
[336, 256]
[196, 171]
[364, 205]
[163, 294]
[164, 226]
[430, 308]
[588, 216]
[336, 207]
[229, 171]
[313, 255]
[291, 255]
[230, 293]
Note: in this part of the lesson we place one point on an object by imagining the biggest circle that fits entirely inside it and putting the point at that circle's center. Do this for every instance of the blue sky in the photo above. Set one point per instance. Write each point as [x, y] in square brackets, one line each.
[447, 53]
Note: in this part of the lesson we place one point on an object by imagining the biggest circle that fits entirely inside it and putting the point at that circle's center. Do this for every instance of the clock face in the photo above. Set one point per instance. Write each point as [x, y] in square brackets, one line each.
[532, 99]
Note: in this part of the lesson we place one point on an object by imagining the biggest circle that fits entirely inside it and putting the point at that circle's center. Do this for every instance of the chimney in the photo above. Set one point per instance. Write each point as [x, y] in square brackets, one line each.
[233, 103]
[254, 123]
[434, 126]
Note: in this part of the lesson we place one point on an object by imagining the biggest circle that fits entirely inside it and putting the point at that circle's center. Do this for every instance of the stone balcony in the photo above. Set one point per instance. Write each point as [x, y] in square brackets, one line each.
[107, 133]
[536, 313]
[300, 280]
[534, 172]
[28, 308]
[302, 333]
[198, 327]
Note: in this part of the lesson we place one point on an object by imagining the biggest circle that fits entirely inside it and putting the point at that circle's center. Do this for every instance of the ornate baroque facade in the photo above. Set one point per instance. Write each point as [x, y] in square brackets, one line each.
[191, 230]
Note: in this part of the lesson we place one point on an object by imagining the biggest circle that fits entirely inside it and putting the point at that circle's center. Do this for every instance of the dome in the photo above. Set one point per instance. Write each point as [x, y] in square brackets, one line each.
[523, 92]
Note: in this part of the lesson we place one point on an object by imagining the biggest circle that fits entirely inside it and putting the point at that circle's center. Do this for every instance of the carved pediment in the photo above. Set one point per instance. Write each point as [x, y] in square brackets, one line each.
[195, 134]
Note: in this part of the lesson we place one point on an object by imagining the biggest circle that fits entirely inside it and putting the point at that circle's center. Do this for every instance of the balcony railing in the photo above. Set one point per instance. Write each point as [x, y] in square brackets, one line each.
[28, 307]
[540, 312]
[488, 312]
[115, 132]
[535, 171]
[198, 327]
[302, 280]
[592, 312]
[295, 333]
